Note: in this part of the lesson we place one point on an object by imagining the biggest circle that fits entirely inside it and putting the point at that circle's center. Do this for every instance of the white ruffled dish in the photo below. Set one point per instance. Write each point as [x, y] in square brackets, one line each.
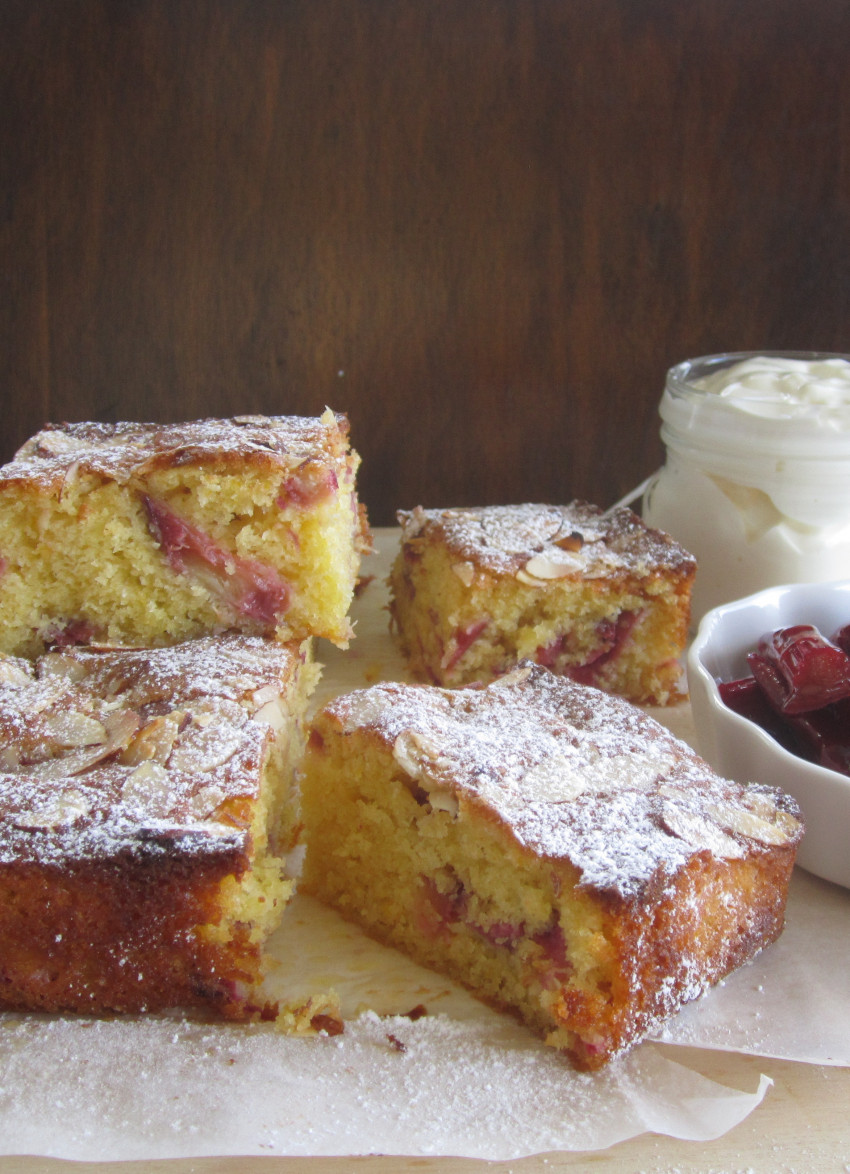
[738, 748]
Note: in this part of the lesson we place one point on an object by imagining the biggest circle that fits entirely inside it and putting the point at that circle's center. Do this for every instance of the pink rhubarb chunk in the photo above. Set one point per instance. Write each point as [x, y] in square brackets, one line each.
[249, 587]
[308, 485]
[464, 639]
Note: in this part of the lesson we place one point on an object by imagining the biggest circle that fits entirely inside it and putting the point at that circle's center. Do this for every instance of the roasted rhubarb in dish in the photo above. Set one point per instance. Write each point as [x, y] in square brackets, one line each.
[597, 597]
[799, 693]
[150, 534]
[548, 845]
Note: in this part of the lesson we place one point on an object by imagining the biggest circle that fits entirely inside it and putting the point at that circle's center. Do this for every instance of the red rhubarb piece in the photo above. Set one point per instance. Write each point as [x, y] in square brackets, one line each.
[800, 670]
[842, 638]
[612, 636]
[823, 735]
[74, 632]
[251, 588]
[307, 486]
[464, 639]
[747, 698]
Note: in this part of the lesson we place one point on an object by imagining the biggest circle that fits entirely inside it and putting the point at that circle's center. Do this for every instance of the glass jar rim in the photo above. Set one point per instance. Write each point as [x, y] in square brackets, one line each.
[681, 376]
[707, 422]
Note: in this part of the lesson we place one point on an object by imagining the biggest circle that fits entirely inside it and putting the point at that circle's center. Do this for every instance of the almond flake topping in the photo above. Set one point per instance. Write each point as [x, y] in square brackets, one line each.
[14, 672]
[107, 750]
[70, 728]
[465, 571]
[539, 543]
[777, 830]
[149, 787]
[57, 811]
[544, 567]
[155, 741]
[573, 772]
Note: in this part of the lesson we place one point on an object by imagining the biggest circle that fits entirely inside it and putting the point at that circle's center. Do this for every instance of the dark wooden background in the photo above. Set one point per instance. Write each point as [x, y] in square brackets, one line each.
[483, 228]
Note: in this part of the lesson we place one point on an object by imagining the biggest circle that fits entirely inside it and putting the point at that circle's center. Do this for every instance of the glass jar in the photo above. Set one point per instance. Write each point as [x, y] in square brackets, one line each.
[756, 481]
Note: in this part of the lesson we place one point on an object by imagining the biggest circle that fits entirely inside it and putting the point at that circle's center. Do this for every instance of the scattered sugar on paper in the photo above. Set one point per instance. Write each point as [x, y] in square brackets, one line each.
[160, 1088]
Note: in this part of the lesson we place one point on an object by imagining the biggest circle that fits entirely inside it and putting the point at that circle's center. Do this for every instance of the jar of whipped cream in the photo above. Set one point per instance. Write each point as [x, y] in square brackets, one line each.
[756, 482]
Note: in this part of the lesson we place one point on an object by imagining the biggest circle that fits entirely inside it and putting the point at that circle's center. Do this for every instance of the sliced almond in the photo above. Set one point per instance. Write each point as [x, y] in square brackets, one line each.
[71, 729]
[56, 664]
[700, 832]
[262, 696]
[539, 566]
[121, 726]
[759, 802]
[529, 580]
[415, 754]
[217, 711]
[13, 672]
[155, 741]
[554, 780]
[59, 810]
[442, 800]
[204, 803]
[516, 676]
[272, 714]
[69, 476]
[10, 759]
[421, 760]
[572, 542]
[54, 443]
[202, 749]
[777, 829]
[51, 691]
[148, 787]
[465, 571]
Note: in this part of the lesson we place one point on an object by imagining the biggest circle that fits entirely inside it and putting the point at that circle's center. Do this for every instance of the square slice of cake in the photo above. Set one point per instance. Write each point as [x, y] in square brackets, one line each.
[598, 597]
[550, 846]
[146, 809]
[150, 534]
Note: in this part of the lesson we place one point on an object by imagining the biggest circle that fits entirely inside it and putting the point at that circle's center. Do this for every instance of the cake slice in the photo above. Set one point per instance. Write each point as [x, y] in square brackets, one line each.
[548, 845]
[598, 597]
[151, 534]
[146, 809]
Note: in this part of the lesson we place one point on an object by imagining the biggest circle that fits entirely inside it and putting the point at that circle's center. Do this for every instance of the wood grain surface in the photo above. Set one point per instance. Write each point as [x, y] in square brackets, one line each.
[483, 228]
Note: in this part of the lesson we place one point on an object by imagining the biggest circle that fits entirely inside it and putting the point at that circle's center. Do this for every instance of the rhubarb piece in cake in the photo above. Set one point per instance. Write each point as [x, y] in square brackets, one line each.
[146, 810]
[550, 846]
[598, 597]
[150, 534]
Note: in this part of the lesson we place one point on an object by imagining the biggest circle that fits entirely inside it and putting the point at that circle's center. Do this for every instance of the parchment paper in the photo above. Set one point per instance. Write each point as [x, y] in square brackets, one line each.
[462, 1080]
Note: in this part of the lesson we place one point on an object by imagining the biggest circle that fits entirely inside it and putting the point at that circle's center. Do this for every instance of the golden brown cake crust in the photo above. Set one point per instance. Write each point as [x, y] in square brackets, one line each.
[578, 540]
[546, 844]
[126, 449]
[131, 750]
[136, 788]
[138, 533]
[597, 596]
[575, 774]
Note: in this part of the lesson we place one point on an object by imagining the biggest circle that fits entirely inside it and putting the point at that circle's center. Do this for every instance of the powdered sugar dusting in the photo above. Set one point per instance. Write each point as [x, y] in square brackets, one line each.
[120, 451]
[106, 750]
[577, 774]
[547, 541]
[159, 1089]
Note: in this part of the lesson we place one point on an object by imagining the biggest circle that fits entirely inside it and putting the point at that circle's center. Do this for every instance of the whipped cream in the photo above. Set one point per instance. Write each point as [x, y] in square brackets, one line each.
[756, 482]
[782, 388]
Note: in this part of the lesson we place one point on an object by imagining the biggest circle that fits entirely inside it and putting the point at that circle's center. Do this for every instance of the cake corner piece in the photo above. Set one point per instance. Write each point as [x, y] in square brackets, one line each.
[146, 813]
[141, 533]
[549, 846]
[597, 596]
